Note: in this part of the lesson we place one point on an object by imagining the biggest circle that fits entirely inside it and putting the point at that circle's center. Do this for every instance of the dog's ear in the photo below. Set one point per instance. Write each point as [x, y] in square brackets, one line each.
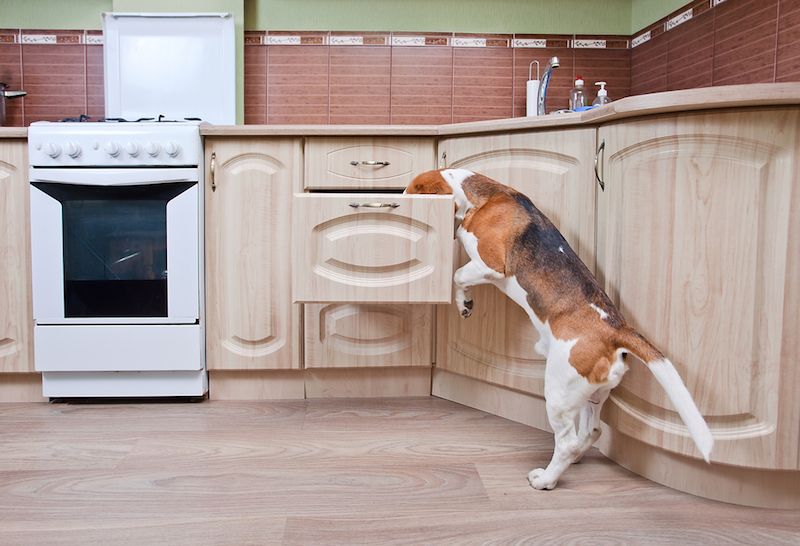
[430, 182]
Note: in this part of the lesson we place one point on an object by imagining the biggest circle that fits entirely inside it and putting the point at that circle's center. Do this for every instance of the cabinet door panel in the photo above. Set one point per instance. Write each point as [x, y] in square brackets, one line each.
[554, 169]
[696, 222]
[251, 320]
[346, 335]
[373, 248]
[16, 317]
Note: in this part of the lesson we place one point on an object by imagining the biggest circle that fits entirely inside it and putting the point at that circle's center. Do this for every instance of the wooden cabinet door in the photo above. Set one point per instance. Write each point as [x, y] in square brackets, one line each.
[251, 321]
[373, 248]
[699, 244]
[347, 335]
[554, 169]
[16, 315]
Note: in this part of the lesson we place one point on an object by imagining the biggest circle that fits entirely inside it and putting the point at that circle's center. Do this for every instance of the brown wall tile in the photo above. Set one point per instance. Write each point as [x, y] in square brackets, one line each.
[788, 53]
[95, 94]
[360, 84]
[297, 84]
[744, 41]
[11, 74]
[482, 83]
[55, 79]
[255, 84]
[649, 66]
[422, 85]
[691, 53]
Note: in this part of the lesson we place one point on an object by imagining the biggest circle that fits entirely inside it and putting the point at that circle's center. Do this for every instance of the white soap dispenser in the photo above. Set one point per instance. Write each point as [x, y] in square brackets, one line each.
[602, 95]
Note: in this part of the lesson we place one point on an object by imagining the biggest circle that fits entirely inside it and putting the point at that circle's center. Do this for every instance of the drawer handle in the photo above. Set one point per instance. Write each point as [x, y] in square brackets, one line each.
[375, 205]
[370, 163]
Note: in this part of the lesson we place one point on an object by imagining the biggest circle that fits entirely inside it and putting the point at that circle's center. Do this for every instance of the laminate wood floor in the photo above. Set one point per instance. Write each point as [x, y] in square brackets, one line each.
[405, 471]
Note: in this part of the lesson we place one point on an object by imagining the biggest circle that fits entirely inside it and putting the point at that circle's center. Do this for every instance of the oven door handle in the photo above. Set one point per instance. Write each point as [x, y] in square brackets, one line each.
[114, 177]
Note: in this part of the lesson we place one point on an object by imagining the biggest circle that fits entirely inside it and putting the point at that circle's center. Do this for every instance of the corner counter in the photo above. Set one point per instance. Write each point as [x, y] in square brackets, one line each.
[685, 204]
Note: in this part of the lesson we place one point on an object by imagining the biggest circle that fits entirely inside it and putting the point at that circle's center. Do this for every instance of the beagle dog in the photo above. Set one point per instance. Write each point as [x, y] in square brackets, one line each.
[583, 336]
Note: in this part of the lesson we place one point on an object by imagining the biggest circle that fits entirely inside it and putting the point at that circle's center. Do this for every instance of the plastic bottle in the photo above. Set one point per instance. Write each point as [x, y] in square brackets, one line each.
[577, 99]
[602, 95]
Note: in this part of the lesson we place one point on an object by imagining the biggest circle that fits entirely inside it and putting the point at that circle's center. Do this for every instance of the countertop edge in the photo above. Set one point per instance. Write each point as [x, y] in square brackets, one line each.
[13, 132]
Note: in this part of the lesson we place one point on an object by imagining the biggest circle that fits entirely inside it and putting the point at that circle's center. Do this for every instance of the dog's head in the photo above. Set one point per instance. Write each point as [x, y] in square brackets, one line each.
[429, 182]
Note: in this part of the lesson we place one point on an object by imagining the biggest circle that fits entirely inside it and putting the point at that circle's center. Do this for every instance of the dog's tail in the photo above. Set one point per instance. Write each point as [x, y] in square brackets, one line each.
[670, 381]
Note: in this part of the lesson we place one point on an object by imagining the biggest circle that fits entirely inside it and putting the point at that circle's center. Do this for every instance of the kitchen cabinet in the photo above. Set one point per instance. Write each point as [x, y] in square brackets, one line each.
[346, 335]
[698, 238]
[366, 162]
[251, 322]
[555, 169]
[16, 313]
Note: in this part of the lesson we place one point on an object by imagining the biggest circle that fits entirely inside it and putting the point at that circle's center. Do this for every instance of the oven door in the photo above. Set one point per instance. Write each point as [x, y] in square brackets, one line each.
[115, 246]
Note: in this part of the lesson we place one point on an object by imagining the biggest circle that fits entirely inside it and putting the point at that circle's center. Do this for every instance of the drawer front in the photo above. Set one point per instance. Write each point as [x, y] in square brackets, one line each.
[372, 248]
[352, 335]
[366, 163]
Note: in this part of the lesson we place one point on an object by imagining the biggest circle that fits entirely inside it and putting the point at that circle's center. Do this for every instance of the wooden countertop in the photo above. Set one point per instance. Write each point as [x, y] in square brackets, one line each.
[13, 132]
[706, 98]
[728, 96]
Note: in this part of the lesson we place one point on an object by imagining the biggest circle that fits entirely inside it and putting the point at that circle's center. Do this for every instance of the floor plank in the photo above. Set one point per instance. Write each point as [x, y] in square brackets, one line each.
[410, 471]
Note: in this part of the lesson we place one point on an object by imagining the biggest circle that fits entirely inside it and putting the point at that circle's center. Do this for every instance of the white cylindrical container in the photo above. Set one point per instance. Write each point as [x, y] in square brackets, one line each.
[532, 92]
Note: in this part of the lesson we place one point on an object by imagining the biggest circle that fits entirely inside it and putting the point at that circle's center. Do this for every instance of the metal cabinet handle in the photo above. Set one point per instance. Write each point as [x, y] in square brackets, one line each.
[443, 160]
[375, 205]
[370, 163]
[212, 169]
[596, 160]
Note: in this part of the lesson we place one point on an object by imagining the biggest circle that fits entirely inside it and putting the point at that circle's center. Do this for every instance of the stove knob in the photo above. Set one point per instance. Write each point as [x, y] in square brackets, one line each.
[152, 149]
[172, 149]
[132, 148]
[73, 150]
[112, 149]
[52, 149]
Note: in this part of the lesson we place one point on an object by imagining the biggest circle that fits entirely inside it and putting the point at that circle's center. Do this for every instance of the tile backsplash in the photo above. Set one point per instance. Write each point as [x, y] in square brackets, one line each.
[433, 78]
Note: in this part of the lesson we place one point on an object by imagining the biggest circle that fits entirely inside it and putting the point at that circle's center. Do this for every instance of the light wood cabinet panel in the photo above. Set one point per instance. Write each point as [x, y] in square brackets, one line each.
[698, 242]
[251, 322]
[366, 162]
[372, 248]
[346, 335]
[16, 314]
[554, 169]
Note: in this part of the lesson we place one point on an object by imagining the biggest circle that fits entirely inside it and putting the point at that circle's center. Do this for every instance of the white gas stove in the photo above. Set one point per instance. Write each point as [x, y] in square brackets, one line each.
[116, 234]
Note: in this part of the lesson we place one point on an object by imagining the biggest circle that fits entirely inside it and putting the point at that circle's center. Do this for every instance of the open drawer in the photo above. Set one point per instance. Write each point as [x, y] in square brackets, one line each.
[372, 248]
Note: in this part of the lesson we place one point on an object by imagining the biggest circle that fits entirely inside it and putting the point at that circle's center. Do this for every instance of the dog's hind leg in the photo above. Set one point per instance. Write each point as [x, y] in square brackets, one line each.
[471, 274]
[566, 393]
[589, 421]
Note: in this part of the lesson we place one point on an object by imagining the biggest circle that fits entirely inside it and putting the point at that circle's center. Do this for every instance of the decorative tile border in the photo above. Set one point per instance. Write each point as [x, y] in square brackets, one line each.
[408, 40]
[39, 39]
[469, 42]
[678, 19]
[346, 40]
[640, 39]
[529, 42]
[93, 39]
[589, 44]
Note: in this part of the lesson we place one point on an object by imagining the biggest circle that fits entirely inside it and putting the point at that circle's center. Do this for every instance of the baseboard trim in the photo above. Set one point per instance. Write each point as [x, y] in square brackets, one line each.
[21, 387]
[527, 409]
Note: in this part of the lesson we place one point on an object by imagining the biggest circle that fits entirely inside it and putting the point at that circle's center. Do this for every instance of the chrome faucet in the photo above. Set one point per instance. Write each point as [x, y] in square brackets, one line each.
[542, 95]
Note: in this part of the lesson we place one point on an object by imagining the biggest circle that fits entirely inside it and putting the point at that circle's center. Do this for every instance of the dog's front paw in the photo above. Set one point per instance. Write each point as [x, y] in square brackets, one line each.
[465, 308]
[538, 479]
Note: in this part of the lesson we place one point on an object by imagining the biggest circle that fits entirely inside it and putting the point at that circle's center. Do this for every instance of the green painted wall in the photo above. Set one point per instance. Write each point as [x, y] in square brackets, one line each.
[519, 16]
[645, 12]
[53, 14]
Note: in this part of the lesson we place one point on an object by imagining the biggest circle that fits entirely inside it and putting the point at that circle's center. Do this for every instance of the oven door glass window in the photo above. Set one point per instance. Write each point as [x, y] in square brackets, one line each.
[115, 248]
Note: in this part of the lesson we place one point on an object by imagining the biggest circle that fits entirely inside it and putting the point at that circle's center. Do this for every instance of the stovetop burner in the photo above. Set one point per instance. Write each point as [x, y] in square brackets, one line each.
[84, 118]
